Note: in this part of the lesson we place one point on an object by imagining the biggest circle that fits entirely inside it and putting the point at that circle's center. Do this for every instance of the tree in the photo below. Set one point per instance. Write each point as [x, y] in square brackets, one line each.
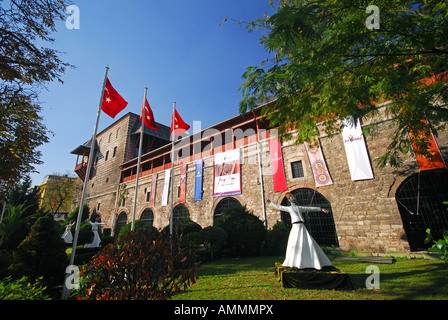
[42, 253]
[57, 194]
[23, 194]
[13, 228]
[330, 64]
[25, 67]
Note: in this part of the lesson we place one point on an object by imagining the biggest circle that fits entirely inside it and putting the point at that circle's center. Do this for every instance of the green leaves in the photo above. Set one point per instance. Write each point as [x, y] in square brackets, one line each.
[329, 65]
[140, 266]
[440, 246]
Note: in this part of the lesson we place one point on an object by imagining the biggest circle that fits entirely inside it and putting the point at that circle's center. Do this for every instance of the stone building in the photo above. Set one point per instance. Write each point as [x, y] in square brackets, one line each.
[388, 213]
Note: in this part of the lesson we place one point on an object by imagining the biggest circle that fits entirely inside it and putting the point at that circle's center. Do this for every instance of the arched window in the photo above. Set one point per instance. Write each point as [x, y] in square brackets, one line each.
[420, 202]
[147, 217]
[121, 222]
[225, 203]
[319, 224]
[180, 212]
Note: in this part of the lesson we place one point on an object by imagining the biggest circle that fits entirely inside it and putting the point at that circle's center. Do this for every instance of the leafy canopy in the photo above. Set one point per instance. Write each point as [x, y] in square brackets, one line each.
[328, 65]
[25, 68]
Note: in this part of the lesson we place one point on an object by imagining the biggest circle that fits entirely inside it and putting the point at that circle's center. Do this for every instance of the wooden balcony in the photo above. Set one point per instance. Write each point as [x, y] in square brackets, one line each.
[81, 169]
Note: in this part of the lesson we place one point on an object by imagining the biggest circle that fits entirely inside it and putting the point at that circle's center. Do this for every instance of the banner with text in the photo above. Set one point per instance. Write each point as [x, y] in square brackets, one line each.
[356, 151]
[227, 173]
[166, 188]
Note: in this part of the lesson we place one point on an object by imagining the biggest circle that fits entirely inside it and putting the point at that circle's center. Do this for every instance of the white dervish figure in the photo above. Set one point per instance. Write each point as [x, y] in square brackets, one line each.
[302, 250]
[67, 236]
[96, 237]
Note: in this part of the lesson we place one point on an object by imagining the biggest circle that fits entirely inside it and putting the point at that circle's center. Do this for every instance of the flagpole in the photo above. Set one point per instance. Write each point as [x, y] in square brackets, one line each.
[142, 128]
[173, 121]
[66, 290]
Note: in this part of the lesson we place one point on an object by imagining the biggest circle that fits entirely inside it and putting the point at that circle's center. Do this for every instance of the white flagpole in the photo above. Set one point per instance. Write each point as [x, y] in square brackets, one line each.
[142, 128]
[66, 290]
[173, 121]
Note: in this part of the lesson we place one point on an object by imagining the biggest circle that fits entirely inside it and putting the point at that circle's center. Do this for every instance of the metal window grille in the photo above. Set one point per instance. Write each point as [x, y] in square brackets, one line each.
[180, 212]
[147, 217]
[121, 222]
[420, 202]
[224, 204]
[297, 169]
[319, 224]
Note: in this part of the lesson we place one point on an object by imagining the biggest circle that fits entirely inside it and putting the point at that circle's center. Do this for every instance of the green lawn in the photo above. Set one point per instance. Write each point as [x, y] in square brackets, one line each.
[254, 279]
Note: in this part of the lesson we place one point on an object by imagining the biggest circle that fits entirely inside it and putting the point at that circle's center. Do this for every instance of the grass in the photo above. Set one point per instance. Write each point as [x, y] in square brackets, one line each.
[254, 279]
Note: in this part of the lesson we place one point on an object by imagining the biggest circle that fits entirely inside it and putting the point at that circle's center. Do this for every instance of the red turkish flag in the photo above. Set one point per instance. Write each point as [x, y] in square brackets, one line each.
[149, 117]
[180, 126]
[112, 103]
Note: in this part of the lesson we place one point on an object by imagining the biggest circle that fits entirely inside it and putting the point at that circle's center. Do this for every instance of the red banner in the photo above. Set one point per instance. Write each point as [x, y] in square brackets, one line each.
[278, 171]
[183, 183]
[436, 161]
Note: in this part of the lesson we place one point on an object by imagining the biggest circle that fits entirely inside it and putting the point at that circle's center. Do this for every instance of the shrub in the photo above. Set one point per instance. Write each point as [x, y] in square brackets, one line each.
[139, 226]
[73, 216]
[214, 239]
[245, 232]
[188, 230]
[440, 246]
[22, 289]
[277, 239]
[42, 253]
[139, 266]
[13, 228]
[85, 233]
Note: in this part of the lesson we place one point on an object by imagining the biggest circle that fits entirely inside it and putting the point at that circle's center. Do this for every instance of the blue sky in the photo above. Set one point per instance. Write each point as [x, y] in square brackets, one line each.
[176, 48]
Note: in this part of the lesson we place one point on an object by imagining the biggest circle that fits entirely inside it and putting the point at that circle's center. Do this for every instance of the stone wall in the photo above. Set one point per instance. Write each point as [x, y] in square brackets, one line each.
[365, 212]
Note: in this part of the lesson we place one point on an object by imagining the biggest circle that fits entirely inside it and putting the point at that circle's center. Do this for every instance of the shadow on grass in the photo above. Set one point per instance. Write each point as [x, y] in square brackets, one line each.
[229, 266]
[419, 282]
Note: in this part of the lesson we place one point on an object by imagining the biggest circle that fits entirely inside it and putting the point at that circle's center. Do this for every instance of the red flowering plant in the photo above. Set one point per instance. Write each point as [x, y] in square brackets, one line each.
[140, 266]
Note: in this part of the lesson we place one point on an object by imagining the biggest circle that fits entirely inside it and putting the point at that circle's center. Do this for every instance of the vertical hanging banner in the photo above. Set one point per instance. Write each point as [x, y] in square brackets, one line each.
[318, 165]
[278, 171]
[435, 162]
[356, 151]
[227, 173]
[198, 180]
[152, 199]
[183, 183]
[166, 187]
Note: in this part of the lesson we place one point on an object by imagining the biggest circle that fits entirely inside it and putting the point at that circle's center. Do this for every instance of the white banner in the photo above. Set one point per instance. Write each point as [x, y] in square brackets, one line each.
[227, 175]
[356, 151]
[166, 187]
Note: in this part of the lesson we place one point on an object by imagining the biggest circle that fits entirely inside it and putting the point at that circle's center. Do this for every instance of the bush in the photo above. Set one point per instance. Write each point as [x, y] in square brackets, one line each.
[73, 216]
[188, 230]
[245, 232]
[214, 239]
[139, 226]
[22, 289]
[139, 266]
[85, 233]
[42, 253]
[277, 239]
